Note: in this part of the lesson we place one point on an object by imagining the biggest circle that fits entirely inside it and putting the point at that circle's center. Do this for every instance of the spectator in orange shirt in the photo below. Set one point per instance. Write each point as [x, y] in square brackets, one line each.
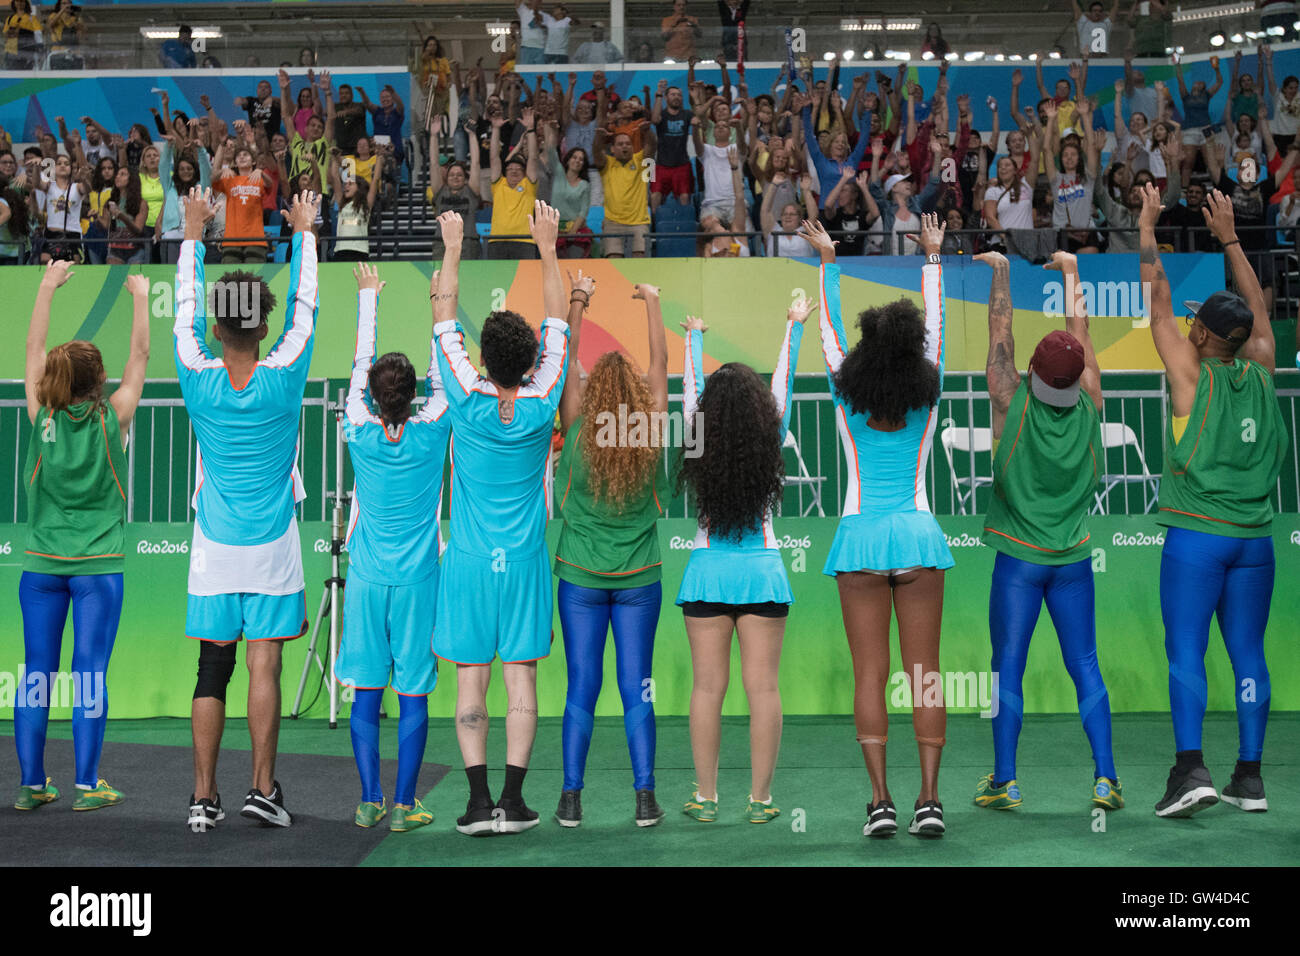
[679, 32]
[244, 188]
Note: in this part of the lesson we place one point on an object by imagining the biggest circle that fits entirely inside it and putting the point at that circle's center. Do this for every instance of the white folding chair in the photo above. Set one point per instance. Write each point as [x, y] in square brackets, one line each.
[804, 478]
[1121, 436]
[969, 441]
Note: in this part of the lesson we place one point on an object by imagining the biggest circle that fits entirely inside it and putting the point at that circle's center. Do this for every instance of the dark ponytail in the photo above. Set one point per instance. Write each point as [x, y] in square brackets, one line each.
[392, 387]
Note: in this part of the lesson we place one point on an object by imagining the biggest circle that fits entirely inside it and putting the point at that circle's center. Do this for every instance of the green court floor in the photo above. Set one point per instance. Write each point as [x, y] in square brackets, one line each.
[822, 789]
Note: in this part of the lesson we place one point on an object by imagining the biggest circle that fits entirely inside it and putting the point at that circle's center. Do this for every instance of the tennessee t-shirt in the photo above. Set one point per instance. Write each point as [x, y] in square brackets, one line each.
[243, 208]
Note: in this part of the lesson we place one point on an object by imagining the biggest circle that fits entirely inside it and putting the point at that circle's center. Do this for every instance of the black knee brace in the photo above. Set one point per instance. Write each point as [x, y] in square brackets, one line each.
[216, 665]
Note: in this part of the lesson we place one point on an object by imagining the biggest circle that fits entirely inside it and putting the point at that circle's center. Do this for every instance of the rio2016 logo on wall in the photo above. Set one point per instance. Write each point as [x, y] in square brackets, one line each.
[163, 547]
[1139, 540]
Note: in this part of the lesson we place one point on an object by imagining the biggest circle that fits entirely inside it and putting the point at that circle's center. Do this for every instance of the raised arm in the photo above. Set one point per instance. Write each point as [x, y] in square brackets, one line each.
[692, 369]
[548, 381]
[1076, 322]
[936, 312]
[834, 343]
[657, 366]
[190, 327]
[56, 273]
[1182, 364]
[1000, 366]
[788, 360]
[357, 409]
[581, 289]
[1219, 216]
[293, 349]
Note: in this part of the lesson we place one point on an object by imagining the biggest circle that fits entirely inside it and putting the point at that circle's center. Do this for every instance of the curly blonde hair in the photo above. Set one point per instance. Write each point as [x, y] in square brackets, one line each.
[617, 473]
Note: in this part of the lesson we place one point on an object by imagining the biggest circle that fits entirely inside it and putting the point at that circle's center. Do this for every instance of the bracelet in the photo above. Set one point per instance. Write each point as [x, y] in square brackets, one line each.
[573, 297]
[1232, 242]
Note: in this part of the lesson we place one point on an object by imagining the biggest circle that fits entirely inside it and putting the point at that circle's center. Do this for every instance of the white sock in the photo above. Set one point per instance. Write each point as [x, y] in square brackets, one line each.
[766, 803]
[82, 786]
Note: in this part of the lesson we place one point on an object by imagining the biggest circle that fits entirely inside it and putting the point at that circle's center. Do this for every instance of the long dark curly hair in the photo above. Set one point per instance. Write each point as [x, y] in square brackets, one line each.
[738, 477]
[886, 374]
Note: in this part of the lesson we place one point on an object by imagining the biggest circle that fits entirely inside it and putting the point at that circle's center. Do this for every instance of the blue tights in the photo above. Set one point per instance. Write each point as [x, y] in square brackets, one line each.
[585, 616]
[1203, 575]
[96, 601]
[412, 732]
[1019, 590]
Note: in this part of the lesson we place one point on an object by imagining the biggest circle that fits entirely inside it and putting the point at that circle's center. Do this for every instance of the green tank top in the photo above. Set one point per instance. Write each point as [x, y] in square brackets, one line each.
[1044, 475]
[76, 500]
[600, 546]
[1220, 476]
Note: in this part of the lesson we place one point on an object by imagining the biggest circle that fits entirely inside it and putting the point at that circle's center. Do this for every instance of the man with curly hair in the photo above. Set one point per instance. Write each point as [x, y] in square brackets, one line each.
[494, 593]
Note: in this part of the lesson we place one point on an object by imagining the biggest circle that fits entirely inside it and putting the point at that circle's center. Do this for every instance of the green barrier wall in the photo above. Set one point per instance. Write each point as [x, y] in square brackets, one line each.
[153, 666]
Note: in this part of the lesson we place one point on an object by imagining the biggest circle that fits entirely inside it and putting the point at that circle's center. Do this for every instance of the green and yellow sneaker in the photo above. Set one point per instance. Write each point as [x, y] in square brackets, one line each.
[29, 798]
[762, 812]
[706, 811]
[1108, 794]
[1005, 797]
[102, 796]
[368, 814]
[409, 818]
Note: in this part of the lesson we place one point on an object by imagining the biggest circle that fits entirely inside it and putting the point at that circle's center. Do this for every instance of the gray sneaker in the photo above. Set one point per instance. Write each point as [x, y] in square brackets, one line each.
[1187, 793]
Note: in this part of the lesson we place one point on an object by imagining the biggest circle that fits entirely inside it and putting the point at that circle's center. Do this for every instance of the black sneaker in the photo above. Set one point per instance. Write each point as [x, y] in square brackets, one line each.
[267, 809]
[648, 811]
[513, 816]
[569, 812]
[882, 820]
[479, 820]
[1246, 790]
[927, 820]
[1187, 793]
[205, 814]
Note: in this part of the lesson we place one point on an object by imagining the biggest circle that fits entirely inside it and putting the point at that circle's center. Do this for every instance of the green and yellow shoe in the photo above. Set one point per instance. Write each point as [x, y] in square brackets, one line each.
[368, 814]
[102, 796]
[1108, 794]
[1005, 797]
[409, 818]
[706, 811]
[29, 798]
[762, 812]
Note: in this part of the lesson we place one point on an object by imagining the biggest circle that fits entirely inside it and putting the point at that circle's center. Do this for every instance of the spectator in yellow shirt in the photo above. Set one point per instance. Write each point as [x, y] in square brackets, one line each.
[22, 40]
[625, 175]
[513, 193]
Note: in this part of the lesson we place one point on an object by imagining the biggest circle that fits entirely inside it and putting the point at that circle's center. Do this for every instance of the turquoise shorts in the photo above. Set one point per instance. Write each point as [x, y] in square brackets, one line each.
[255, 617]
[493, 606]
[388, 629]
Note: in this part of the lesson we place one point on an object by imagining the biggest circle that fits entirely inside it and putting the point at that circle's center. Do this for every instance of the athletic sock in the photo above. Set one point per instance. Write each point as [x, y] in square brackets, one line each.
[1246, 768]
[364, 726]
[478, 784]
[999, 785]
[412, 733]
[1188, 760]
[514, 787]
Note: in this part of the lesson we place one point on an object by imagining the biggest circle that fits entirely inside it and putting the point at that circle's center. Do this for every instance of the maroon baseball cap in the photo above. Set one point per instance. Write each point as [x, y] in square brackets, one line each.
[1055, 369]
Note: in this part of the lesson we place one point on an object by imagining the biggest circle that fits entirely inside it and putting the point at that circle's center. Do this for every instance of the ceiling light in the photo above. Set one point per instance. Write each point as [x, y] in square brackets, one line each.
[848, 54]
[172, 33]
[1217, 38]
[973, 55]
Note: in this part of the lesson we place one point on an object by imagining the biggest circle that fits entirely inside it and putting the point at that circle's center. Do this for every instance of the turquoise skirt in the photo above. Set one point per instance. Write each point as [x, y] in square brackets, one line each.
[910, 539]
[735, 577]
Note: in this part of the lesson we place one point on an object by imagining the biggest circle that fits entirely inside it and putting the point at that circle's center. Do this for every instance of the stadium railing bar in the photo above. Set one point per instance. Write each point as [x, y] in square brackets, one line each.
[161, 450]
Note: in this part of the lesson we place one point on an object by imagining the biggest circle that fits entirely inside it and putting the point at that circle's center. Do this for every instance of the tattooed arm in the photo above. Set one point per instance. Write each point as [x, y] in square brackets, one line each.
[1000, 368]
[1179, 355]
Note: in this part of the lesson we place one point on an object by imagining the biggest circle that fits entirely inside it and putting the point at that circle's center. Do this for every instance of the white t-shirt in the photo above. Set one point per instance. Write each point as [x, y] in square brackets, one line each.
[1011, 214]
[1093, 37]
[905, 245]
[789, 246]
[531, 34]
[1286, 116]
[717, 176]
[63, 208]
[557, 34]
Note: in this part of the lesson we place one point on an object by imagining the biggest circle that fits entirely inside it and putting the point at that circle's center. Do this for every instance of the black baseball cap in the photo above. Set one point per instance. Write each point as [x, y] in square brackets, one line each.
[1225, 314]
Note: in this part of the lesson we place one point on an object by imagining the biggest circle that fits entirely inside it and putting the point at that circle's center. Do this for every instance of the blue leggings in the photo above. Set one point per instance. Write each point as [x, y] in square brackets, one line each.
[1202, 575]
[585, 616]
[1019, 590]
[412, 733]
[96, 608]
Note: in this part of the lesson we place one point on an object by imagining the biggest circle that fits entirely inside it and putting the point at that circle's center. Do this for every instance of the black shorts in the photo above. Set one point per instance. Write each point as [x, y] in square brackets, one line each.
[733, 611]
